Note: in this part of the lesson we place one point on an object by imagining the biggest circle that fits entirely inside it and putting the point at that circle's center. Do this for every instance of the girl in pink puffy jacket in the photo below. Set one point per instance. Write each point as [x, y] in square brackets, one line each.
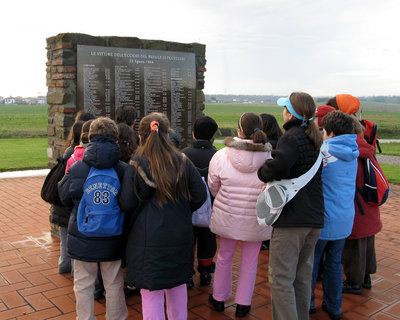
[233, 181]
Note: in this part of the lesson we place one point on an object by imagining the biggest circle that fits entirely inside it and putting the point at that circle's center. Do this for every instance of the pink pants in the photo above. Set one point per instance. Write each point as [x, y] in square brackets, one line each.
[153, 303]
[248, 269]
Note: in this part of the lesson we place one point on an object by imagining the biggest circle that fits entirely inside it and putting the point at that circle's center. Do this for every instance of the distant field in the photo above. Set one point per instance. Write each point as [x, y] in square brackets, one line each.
[392, 149]
[27, 126]
[31, 121]
[23, 121]
[386, 116]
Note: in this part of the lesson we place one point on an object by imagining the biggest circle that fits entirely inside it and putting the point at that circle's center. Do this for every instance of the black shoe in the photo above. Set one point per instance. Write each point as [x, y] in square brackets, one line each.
[367, 282]
[205, 278]
[209, 269]
[331, 315]
[190, 283]
[218, 305]
[242, 310]
[349, 287]
[265, 245]
[312, 311]
[130, 291]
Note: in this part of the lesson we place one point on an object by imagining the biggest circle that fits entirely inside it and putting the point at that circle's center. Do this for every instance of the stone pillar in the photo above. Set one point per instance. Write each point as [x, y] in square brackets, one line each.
[62, 78]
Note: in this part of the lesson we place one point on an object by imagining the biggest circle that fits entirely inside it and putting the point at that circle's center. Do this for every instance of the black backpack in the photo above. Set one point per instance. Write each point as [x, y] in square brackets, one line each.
[49, 192]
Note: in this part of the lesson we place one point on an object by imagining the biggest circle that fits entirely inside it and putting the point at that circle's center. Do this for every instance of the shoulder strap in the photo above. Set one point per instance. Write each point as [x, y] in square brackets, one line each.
[142, 174]
[292, 186]
[306, 177]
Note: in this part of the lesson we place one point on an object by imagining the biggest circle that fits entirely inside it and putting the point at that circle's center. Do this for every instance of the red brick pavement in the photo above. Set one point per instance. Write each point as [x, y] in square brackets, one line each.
[31, 288]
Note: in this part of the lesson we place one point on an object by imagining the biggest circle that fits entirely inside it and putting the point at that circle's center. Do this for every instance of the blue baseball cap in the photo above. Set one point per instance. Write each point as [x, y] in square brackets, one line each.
[285, 102]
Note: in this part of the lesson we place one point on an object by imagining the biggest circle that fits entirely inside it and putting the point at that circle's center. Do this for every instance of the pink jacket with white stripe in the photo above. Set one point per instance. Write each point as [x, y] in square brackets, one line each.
[233, 181]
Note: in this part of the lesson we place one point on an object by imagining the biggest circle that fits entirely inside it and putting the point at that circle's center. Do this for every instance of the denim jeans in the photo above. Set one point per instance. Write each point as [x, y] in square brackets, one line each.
[332, 277]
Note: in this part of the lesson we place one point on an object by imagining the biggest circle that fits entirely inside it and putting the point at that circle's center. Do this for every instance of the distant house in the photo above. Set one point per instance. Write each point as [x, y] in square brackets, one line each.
[9, 100]
[41, 100]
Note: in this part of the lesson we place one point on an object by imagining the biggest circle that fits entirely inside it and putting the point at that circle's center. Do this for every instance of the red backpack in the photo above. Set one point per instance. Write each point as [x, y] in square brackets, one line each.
[375, 189]
[370, 133]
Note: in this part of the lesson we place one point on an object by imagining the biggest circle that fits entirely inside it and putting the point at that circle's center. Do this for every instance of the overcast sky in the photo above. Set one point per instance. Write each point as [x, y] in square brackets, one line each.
[252, 46]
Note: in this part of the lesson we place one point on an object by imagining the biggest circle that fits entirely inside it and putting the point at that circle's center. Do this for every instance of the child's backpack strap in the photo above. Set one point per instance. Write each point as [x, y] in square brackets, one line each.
[370, 133]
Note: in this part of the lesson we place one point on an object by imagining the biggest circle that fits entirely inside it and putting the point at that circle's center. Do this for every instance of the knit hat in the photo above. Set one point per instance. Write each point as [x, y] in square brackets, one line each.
[204, 128]
[347, 103]
[321, 112]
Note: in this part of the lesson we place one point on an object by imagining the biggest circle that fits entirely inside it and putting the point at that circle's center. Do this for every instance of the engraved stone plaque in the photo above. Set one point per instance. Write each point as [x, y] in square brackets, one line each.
[150, 80]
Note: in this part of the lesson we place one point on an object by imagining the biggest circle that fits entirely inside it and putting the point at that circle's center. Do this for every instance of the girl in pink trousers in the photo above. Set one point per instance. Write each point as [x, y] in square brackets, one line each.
[233, 181]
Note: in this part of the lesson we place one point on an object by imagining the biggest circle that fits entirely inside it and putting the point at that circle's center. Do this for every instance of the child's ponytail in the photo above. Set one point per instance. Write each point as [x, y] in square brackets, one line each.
[165, 160]
[251, 125]
[305, 106]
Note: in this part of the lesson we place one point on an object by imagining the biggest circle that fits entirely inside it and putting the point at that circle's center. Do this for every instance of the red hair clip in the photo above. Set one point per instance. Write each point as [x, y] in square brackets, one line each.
[154, 126]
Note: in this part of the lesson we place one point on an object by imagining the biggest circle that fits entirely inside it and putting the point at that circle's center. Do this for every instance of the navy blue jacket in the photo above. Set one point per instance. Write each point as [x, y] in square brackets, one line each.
[102, 152]
[294, 155]
[159, 253]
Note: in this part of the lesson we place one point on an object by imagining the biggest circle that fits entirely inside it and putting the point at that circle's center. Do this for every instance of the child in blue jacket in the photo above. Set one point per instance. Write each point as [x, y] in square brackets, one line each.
[338, 183]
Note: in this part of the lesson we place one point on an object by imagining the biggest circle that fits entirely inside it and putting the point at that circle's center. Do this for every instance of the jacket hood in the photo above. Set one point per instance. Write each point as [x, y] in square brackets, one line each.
[245, 155]
[78, 152]
[366, 150]
[343, 147]
[102, 152]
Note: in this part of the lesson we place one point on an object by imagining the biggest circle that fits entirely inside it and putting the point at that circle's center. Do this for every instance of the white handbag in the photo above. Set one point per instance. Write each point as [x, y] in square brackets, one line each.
[273, 198]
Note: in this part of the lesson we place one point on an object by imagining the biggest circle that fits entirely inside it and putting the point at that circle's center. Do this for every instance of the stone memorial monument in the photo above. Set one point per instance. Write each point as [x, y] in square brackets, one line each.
[101, 74]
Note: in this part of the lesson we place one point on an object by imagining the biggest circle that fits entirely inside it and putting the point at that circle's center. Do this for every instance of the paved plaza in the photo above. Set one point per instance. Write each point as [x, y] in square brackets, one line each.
[31, 288]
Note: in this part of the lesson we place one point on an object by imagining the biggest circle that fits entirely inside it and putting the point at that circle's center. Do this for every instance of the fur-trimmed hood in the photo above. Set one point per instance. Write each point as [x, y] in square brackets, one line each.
[246, 144]
[245, 155]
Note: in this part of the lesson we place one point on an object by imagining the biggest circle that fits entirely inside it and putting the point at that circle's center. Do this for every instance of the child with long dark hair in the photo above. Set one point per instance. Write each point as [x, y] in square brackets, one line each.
[232, 179]
[271, 128]
[297, 229]
[160, 190]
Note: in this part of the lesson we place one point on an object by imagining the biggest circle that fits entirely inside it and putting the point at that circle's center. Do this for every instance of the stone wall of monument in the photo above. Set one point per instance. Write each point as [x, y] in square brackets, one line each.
[62, 78]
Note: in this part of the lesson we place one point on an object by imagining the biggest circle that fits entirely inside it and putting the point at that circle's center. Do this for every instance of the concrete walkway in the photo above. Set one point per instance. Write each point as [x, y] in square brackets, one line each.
[31, 288]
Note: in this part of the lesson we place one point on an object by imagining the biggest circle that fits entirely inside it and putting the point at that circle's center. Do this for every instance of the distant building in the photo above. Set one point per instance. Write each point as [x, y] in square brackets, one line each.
[9, 100]
[39, 100]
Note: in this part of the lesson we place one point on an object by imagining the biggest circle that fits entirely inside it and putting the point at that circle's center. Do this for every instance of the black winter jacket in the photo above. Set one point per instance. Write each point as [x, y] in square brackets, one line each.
[60, 215]
[159, 253]
[102, 152]
[200, 153]
[295, 155]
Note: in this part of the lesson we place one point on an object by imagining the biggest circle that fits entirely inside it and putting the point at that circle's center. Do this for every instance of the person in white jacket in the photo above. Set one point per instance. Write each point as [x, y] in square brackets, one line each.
[233, 181]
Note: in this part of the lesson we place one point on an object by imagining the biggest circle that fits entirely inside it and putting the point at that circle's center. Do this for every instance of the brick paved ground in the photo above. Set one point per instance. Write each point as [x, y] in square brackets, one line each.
[31, 288]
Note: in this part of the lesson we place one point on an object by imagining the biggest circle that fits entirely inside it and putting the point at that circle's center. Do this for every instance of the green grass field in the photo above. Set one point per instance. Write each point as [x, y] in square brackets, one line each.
[23, 121]
[23, 131]
[392, 149]
[386, 116]
[23, 153]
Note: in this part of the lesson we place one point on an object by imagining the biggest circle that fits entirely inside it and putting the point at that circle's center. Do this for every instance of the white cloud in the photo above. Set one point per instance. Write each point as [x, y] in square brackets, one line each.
[253, 46]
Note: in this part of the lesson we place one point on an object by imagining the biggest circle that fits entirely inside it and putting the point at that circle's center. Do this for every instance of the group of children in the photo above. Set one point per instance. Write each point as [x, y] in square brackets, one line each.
[161, 187]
